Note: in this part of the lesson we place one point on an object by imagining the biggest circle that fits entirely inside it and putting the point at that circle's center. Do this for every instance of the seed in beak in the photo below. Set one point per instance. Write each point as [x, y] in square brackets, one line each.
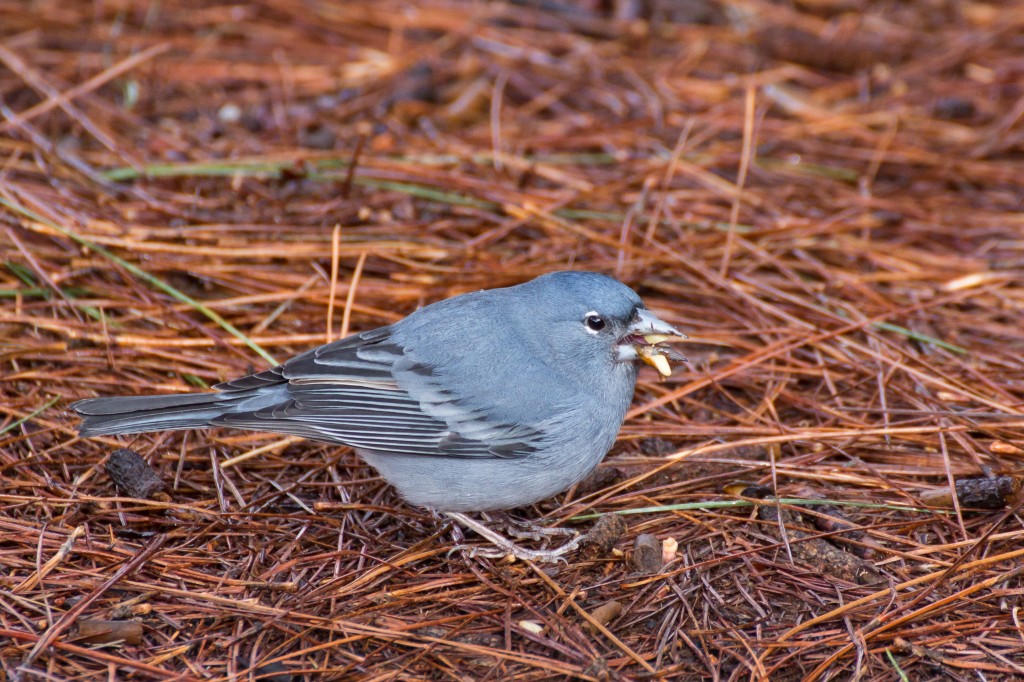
[662, 338]
[653, 356]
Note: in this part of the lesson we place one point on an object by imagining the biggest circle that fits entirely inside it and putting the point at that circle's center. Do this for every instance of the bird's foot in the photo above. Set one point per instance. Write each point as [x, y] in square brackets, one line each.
[505, 547]
[522, 529]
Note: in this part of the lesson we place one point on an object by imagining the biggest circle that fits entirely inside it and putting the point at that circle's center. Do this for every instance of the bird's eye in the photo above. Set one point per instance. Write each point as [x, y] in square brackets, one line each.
[594, 322]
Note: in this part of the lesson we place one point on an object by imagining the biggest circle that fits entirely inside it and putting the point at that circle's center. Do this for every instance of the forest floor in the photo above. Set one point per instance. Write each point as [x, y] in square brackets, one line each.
[827, 195]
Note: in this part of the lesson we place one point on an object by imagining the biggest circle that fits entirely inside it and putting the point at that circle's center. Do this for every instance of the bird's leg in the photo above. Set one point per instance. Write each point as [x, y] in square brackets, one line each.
[506, 547]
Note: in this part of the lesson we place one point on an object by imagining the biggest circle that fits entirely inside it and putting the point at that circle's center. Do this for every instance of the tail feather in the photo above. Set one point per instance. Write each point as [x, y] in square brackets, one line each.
[130, 414]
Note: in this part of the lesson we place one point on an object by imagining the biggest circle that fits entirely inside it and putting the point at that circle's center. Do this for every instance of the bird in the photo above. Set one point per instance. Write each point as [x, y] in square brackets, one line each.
[485, 401]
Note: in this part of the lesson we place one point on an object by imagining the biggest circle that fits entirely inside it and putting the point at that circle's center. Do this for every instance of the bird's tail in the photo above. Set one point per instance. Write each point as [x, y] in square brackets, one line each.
[130, 414]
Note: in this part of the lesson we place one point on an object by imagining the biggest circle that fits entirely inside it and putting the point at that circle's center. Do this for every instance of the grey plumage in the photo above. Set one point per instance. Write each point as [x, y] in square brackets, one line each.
[489, 400]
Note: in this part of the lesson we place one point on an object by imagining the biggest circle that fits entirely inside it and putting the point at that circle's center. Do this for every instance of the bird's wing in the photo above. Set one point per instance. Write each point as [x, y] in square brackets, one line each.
[369, 392]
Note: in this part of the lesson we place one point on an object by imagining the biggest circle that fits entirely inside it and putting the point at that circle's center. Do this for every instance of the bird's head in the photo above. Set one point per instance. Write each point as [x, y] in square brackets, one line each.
[594, 315]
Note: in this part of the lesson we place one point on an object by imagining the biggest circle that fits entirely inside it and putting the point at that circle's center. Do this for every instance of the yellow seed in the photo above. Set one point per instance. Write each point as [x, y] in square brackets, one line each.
[662, 338]
[661, 364]
[652, 356]
[656, 338]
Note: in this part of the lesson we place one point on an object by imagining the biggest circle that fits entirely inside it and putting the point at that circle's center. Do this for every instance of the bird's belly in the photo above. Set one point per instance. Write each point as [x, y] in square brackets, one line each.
[470, 484]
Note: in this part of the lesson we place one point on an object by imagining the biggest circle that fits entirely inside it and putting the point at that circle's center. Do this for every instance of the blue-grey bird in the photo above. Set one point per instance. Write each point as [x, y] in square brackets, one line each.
[490, 400]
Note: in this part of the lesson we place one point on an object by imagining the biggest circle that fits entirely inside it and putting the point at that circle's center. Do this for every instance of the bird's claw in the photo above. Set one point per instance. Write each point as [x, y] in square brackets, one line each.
[505, 547]
[527, 530]
[512, 551]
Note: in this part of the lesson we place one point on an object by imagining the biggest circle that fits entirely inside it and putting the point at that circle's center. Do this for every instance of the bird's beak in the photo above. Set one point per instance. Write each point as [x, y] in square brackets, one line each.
[644, 340]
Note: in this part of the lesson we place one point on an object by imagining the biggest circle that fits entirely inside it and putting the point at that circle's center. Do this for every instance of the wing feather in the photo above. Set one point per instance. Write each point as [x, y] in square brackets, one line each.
[369, 392]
